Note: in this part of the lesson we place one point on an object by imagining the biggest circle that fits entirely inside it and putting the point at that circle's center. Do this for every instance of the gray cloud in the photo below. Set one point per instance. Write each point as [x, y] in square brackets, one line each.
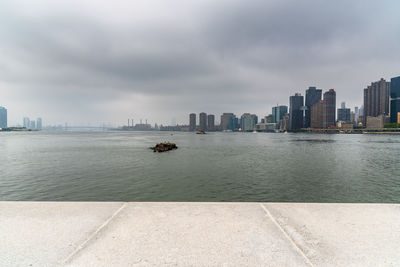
[88, 61]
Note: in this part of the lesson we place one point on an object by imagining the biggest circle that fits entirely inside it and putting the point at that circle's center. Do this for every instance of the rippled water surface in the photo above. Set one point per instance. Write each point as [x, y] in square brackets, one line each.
[118, 166]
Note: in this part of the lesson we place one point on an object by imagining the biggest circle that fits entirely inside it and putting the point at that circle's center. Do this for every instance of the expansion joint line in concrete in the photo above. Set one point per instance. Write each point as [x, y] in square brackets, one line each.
[287, 235]
[82, 246]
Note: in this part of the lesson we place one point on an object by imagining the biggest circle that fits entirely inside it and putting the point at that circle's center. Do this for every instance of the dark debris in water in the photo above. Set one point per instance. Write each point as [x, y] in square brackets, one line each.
[164, 147]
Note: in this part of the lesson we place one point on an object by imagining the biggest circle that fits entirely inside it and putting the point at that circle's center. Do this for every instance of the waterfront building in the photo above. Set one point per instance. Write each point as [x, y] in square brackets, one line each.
[356, 115]
[192, 122]
[313, 95]
[203, 121]
[3, 117]
[344, 125]
[343, 113]
[39, 125]
[211, 122]
[269, 118]
[33, 125]
[377, 122]
[296, 112]
[235, 123]
[376, 99]
[278, 112]
[266, 127]
[329, 108]
[395, 100]
[395, 110]
[284, 123]
[26, 122]
[317, 115]
[353, 118]
[229, 122]
[248, 122]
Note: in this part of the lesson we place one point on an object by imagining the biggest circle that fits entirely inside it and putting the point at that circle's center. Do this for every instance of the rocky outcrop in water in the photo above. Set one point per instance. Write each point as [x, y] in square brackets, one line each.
[164, 147]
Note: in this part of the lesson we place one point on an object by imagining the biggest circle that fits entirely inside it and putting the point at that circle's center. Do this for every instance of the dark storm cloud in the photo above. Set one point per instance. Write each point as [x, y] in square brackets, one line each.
[106, 62]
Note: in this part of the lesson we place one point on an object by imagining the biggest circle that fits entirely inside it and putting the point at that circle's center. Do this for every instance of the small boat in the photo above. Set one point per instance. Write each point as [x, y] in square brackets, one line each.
[200, 132]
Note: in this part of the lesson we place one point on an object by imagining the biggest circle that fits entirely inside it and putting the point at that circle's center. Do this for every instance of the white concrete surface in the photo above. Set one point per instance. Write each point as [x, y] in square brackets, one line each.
[198, 234]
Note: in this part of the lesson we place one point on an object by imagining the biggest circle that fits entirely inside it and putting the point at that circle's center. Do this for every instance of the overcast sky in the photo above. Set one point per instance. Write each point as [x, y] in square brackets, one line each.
[99, 62]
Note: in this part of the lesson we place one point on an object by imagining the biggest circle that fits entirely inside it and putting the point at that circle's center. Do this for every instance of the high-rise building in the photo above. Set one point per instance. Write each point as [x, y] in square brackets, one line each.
[26, 122]
[329, 108]
[269, 118]
[39, 123]
[313, 95]
[296, 112]
[228, 122]
[278, 112]
[3, 117]
[343, 113]
[317, 115]
[211, 122]
[203, 121]
[192, 122]
[248, 122]
[353, 117]
[284, 123]
[376, 99]
[33, 125]
[394, 99]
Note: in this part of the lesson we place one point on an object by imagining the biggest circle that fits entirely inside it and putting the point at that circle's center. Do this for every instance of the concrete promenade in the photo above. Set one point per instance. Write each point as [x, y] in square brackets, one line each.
[198, 234]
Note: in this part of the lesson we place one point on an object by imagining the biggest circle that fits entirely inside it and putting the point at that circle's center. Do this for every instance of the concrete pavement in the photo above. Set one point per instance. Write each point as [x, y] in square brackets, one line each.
[198, 234]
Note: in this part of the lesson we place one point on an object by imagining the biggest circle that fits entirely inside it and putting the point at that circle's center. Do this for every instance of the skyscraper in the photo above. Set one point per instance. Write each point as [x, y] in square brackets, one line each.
[296, 112]
[248, 122]
[228, 122]
[26, 123]
[329, 108]
[192, 122]
[203, 121]
[376, 99]
[313, 95]
[394, 99]
[317, 115]
[343, 113]
[33, 125]
[211, 122]
[39, 123]
[3, 117]
[278, 112]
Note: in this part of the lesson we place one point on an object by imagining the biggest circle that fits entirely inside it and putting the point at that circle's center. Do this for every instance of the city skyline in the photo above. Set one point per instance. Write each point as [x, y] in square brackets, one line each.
[70, 64]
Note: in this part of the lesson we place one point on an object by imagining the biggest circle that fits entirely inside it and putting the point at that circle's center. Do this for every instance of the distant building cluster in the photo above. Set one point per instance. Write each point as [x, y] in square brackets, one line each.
[316, 111]
[382, 103]
[137, 127]
[27, 123]
[32, 124]
[206, 122]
